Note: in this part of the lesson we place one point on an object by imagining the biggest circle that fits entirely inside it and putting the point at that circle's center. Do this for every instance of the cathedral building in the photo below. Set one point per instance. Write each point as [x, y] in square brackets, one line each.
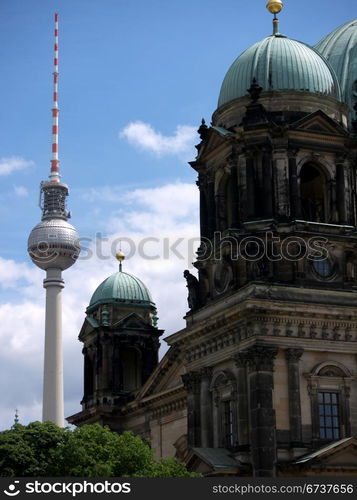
[262, 380]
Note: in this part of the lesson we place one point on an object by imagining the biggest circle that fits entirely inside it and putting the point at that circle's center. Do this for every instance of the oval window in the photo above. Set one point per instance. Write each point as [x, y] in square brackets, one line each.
[322, 267]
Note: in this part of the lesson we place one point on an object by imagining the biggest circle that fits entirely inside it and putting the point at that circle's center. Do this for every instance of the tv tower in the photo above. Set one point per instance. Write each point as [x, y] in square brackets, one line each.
[53, 246]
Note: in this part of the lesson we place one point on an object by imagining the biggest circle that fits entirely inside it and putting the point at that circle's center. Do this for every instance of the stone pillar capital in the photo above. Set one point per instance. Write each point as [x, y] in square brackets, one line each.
[292, 153]
[206, 373]
[261, 358]
[293, 355]
[191, 381]
[241, 359]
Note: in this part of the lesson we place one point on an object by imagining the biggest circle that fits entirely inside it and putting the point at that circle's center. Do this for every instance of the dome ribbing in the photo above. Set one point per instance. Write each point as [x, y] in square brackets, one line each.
[279, 63]
[340, 49]
[121, 287]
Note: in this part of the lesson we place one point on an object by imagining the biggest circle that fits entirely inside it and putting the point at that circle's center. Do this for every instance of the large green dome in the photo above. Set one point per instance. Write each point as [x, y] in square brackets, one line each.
[340, 49]
[279, 63]
[121, 288]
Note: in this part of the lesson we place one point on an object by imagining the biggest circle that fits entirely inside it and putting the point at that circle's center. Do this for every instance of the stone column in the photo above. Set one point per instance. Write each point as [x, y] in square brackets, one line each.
[341, 193]
[295, 202]
[267, 185]
[331, 211]
[106, 348]
[221, 209]
[242, 401]
[293, 357]
[203, 207]
[315, 430]
[117, 375]
[88, 376]
[262, 414]
[206, 408]
[345, 410]
[234, 209]
[250, 189]
[192, 382]
[211, 209]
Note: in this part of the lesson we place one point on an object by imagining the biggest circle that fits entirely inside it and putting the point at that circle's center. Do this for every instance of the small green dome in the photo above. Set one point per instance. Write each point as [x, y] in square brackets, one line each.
[340, 49]
[121, 288]
[279, 63]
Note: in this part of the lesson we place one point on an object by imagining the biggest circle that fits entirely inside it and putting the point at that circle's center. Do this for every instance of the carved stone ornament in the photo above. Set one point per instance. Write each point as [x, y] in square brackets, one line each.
[191, 381]
[293, 355]
[261, 358]
[222, 277]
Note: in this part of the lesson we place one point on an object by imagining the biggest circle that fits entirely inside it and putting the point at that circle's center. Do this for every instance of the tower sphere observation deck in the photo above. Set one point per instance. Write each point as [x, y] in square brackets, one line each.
[53, 243]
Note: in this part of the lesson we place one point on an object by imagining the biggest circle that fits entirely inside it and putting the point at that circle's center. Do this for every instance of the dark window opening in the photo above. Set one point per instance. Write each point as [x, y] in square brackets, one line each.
[132, 369]
[329, 415]
[313, 194]
[228, 423]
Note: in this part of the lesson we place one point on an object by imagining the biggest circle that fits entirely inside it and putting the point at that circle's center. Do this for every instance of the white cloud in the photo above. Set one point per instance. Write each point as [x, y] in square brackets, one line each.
[13, 163]
[144, 136]
[21, 191]
[167, 213]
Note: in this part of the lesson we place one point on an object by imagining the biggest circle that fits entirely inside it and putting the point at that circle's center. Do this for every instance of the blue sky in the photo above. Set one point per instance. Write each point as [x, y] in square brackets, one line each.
[136, 77]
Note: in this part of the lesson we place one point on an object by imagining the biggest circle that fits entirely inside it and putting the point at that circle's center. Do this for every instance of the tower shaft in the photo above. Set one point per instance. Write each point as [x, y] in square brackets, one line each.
[52, 409]
[55, 175]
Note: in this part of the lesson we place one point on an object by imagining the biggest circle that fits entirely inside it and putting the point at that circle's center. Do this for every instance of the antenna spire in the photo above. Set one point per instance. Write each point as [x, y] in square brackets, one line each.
[55, 174]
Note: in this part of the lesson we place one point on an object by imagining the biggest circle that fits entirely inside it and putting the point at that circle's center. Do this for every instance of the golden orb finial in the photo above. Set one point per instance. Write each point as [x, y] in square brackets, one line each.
[274, 6]
[120, 257]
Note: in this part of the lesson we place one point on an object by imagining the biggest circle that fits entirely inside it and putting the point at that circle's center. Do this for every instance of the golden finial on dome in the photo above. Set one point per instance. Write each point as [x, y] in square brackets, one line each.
[274, 6]
[120, 257]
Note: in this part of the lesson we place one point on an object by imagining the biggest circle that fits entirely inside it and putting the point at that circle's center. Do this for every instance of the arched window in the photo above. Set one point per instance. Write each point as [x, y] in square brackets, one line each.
[225, 410]
[313, 193]
[329, 388]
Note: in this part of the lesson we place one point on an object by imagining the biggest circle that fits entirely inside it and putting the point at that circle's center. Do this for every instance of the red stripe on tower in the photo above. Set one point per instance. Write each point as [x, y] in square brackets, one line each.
[55, 175]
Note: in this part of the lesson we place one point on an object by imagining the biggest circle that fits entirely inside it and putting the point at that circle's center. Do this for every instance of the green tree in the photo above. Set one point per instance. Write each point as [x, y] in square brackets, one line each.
[29, 450]
[89, 451]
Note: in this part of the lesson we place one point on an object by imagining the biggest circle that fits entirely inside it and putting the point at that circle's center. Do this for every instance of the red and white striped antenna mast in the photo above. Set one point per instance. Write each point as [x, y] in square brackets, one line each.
[55, 172]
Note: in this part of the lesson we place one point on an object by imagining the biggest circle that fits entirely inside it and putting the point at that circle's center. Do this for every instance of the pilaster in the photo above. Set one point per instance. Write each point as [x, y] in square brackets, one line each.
[293, 357]
[260, 359]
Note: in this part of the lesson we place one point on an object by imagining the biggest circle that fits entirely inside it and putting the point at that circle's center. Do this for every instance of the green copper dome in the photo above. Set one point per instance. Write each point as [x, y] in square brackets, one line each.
[121, 288]
[279, 63]
[340, 49]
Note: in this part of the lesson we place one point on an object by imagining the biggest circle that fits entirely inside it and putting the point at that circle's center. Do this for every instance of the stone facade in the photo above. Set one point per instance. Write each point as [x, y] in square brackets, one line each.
[265, 370]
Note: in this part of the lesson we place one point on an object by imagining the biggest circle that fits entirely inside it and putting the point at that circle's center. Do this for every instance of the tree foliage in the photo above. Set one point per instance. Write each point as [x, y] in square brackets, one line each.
[46, 450]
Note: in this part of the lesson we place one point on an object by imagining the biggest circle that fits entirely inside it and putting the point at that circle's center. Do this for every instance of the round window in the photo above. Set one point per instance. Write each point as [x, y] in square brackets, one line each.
[322, 266]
